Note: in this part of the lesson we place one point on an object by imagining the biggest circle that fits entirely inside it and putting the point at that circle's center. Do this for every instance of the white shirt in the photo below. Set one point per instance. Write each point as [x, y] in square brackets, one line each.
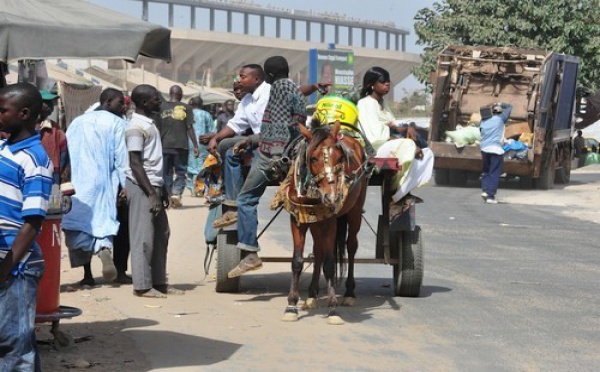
[250, 111]
[142, 135]
[372, 119]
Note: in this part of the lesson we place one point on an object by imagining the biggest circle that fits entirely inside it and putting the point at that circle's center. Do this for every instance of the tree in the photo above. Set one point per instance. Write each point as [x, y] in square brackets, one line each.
[563, 26]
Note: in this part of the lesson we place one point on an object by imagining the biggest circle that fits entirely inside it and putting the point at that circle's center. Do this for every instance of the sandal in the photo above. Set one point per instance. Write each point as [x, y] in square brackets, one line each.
[168, 290]
[229, 218]
[149, 293]
[249, 263]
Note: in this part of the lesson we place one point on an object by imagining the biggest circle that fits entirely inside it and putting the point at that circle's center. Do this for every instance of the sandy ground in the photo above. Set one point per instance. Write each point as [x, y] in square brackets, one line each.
[120, 332]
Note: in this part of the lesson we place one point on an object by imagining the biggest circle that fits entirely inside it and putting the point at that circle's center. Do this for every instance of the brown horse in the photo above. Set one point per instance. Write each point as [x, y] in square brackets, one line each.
[326, 193]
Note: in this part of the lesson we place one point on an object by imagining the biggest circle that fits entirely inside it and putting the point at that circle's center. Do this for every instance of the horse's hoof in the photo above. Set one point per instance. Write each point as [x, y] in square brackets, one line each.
[310, 303]
[349, 301]
[290, 314]
[335, 320]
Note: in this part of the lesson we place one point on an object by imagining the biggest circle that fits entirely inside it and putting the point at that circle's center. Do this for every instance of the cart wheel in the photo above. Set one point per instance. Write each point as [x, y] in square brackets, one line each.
[62, 341]
[228, 256]
[408, 274]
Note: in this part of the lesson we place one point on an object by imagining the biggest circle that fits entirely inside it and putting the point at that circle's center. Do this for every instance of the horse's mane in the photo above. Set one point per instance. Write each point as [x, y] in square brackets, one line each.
[319, 134]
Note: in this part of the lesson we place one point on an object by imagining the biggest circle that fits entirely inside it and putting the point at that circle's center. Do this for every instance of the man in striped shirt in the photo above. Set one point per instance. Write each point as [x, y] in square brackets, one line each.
[25, 184]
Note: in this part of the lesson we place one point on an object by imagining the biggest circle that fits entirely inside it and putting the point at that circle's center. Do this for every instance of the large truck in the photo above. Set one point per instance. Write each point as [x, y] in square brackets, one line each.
[541, 87]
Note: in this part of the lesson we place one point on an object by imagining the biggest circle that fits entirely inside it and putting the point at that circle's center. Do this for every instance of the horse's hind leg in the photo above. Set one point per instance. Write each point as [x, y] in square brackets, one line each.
[354, 219]
[299, 237]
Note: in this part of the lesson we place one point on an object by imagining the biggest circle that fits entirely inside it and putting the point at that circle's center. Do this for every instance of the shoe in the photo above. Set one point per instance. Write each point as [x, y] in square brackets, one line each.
[484, 196]
[109, 271]
[168, 290]
[87, 282]
[491, 200]
[249, 263]
[228, 218]
[176, 201]
[123, 278]
[149, 293]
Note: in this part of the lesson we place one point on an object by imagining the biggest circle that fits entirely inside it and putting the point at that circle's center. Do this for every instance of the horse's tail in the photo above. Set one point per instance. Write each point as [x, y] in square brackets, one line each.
[340, 244]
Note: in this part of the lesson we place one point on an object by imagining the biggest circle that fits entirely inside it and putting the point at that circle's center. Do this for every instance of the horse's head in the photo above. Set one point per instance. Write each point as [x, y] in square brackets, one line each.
[325, 159]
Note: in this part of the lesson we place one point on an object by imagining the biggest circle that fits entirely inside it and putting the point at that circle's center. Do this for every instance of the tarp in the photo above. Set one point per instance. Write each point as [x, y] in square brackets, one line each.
[37, 29]
[592, 131]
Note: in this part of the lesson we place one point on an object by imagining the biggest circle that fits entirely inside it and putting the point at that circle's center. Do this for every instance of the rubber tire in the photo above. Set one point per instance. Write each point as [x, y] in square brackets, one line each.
[563, 174]
[546, 180]
[441, 176]
[458, 177]
[408, 274]
[228, 257]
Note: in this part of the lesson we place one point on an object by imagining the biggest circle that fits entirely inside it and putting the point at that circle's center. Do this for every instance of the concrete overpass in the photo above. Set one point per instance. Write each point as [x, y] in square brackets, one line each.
[208, 55]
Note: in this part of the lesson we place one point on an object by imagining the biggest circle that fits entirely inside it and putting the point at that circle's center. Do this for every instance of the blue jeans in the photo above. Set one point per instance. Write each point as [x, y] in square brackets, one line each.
[178, 159]
[247, 202]
[232, 177]
[492, 165]
[18, 349]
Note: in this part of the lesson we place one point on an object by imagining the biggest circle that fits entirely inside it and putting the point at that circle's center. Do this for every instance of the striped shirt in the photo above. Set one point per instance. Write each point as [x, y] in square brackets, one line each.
[25, 184]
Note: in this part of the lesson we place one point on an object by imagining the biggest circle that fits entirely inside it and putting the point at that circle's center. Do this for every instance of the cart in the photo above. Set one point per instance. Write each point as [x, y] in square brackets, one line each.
[398, 241]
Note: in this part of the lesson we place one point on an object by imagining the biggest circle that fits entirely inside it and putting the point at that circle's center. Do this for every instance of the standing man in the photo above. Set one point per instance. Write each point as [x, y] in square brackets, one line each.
[203, 124]
[227, 114]
[580, 150]
[146, 197]
[284, 113]
[492, 152]
[176, 125]
[25, 182]
[96, 142]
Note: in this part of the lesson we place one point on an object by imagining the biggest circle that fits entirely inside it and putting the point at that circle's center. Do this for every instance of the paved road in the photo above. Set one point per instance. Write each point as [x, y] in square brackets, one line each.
[508, 287]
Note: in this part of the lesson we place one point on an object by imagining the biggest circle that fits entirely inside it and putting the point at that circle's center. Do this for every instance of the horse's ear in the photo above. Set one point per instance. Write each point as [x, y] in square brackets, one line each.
[304, 131]
[336, 128]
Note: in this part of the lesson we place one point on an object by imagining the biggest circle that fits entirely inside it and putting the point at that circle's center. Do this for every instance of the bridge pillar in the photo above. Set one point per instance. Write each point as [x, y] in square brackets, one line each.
[293, 31]
[192, 17]
[145, 10]
[246, 23]
[229, 27]
[262, 25]
[307, 30]
[376, 39]
[363, 37]
[322, 32]
[171, 15]
[277, 27]
[350, 36]
[397, 42]
[403, 43]
[211, 19]
[336, 34]
[387, 40]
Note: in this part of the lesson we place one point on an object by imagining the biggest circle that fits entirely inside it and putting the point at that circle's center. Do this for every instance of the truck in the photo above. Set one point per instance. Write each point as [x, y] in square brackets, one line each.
[541, 86]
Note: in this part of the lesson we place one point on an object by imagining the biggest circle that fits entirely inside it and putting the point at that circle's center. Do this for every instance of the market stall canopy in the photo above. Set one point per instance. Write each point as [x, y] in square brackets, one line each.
[37, 29]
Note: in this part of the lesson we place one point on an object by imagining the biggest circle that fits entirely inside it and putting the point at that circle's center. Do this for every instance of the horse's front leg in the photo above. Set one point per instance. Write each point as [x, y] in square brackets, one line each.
[299, 238]
[324, 237]
[312, 300]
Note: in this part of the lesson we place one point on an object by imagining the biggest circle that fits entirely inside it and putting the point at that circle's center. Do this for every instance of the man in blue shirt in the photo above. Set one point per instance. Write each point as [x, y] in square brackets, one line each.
[25, 184]
[492, 152]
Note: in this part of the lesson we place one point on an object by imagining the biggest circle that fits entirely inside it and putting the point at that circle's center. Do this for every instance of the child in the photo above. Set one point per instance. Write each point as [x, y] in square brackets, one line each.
[25, 184]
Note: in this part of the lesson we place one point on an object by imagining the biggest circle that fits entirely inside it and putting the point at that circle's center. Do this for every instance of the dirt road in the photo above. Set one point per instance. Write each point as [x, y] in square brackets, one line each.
[203, 330]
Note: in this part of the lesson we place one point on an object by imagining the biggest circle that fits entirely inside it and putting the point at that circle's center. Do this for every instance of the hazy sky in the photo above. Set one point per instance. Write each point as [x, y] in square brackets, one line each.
[401, 12]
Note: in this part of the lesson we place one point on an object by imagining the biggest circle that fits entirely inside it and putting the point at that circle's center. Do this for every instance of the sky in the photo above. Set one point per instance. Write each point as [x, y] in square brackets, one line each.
[401, 12]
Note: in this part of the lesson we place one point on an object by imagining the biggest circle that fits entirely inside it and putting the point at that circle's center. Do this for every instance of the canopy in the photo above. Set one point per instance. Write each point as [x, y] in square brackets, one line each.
[37, 29]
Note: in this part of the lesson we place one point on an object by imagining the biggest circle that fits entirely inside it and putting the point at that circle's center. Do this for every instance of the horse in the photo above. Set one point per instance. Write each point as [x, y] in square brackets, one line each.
[325, 193]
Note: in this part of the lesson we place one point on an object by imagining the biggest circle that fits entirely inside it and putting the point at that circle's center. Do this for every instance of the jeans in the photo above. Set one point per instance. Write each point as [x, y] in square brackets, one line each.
[18, 349]
[232, 177]
[492, 165]
[178, 159]
[247, 202]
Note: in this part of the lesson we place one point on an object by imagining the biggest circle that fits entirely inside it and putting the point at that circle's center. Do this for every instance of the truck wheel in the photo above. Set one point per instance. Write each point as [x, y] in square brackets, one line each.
[546, 180]
[457, 178]
[563, 174]
[442, 176]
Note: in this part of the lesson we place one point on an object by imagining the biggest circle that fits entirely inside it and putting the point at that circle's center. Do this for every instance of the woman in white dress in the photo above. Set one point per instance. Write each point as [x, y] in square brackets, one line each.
[377, 121]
